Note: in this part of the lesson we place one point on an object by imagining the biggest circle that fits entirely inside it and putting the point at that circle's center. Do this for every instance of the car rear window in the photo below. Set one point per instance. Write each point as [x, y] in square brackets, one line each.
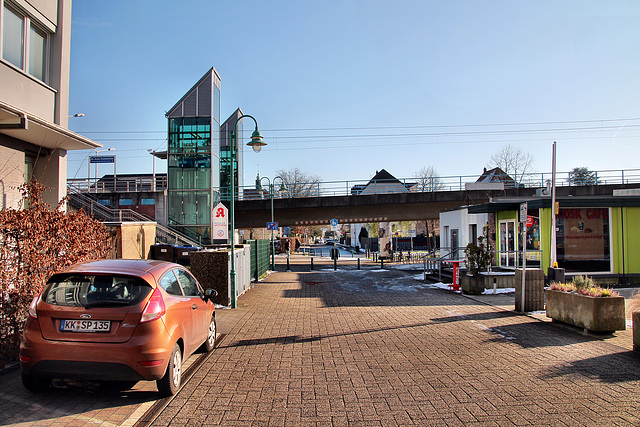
[86, 290]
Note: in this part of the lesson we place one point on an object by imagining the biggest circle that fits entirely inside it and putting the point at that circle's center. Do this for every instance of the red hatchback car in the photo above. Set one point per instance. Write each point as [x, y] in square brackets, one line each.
[117, 320]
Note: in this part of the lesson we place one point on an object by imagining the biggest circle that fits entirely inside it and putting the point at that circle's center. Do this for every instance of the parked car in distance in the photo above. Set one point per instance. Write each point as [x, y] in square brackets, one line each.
[117, 320]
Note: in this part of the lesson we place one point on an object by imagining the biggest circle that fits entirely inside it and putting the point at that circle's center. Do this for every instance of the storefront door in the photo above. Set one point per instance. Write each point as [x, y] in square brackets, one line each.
[507, 236]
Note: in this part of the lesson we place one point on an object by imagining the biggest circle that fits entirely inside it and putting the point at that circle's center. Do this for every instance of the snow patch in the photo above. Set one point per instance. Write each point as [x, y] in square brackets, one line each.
[499, 291]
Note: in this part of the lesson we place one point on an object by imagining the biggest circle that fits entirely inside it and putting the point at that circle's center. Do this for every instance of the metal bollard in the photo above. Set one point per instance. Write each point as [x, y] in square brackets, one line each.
[358, 263]
[335, 264]
[381, 263]
[311, 263]
[288, 268]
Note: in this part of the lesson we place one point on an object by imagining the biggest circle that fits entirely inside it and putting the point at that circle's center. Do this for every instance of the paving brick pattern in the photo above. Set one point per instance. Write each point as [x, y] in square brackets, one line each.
[351, 349]
[71, 403]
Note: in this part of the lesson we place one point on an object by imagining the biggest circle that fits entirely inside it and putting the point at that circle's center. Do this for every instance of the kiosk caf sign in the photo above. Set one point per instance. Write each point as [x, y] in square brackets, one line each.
[220, 222]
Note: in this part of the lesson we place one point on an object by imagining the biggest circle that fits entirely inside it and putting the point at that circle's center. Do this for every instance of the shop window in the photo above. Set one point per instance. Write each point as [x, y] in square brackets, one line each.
[583, 241]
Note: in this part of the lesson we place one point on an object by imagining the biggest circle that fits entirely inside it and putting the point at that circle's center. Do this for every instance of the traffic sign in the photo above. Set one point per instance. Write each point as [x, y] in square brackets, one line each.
[523, 212]
[102, 159]
[334, 222]
[272, 226]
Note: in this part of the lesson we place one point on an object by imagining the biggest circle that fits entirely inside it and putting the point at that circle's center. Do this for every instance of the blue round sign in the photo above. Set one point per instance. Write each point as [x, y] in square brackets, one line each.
[334, 222]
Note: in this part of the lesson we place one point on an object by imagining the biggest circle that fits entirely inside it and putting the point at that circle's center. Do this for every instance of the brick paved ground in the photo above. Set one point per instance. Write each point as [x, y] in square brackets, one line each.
[76, 404]
[368, 349]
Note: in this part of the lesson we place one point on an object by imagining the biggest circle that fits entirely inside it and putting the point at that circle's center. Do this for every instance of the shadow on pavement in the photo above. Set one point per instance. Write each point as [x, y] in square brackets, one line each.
[70, 400]
[610, 368]
[294, 339]
[369, 288]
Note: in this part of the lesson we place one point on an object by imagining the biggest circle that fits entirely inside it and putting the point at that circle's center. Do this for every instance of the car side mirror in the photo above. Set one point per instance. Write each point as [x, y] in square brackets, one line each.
[210, 294]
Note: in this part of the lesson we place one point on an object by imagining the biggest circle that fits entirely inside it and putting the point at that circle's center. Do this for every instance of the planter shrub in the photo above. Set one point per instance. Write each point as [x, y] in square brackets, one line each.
[595, 314]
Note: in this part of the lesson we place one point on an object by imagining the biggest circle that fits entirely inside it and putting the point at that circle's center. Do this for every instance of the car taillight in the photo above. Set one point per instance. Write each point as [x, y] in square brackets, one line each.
[32, 307]
[155, 308]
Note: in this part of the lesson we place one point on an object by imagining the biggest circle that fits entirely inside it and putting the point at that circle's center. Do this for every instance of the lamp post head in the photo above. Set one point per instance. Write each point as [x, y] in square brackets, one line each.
[256, 141]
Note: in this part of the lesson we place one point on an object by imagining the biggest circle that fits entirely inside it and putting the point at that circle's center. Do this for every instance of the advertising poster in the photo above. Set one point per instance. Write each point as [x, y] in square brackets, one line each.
[384, 240]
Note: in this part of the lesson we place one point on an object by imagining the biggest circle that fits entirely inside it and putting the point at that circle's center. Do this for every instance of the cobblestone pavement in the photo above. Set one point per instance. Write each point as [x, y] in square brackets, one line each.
[373, 347]
[368, 348]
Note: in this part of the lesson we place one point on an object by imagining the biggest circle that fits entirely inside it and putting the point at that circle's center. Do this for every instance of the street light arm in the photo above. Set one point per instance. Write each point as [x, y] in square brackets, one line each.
[256, 143]
[256, 137]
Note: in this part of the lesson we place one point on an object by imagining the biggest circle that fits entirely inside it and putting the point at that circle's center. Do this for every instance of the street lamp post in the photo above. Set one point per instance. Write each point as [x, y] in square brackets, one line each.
[271, 193]
[256, 143]
[153, 177]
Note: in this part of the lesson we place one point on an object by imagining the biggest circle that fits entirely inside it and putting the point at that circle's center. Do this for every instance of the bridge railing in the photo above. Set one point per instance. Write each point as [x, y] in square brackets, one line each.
[365, 186]
[442, 183]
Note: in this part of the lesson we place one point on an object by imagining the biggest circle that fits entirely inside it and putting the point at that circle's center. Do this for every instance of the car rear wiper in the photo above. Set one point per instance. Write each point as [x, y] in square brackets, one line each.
[106, 303]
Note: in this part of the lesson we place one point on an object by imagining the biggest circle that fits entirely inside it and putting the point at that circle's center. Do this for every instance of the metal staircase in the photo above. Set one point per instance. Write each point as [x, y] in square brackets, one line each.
[164, 234]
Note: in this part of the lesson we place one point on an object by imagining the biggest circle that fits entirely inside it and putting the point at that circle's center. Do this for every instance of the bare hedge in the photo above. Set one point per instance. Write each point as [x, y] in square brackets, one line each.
[37, 241]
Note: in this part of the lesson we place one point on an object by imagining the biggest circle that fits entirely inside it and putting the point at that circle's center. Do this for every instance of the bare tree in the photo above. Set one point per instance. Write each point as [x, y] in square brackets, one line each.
[428, 179]
[513, 161]
[298, 183]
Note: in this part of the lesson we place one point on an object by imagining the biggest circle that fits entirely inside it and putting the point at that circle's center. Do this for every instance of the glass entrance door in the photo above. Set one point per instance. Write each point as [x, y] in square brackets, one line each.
[454, 243]
[507, 236]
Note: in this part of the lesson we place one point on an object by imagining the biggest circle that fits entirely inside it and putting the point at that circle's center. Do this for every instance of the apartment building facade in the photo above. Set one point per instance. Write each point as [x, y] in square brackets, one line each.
[35, 37]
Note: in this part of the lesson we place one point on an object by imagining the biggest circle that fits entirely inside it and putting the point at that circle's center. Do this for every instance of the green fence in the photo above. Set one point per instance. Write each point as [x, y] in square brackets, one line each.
[259, 257]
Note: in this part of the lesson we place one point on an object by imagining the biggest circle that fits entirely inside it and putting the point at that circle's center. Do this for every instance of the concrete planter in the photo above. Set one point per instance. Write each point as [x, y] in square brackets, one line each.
[473, 285]
[601, 314]
[636, 330]
[499, 279]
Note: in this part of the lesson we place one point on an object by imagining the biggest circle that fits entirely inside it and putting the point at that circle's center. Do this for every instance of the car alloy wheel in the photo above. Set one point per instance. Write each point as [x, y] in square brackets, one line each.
[210, 343]
[169, 384]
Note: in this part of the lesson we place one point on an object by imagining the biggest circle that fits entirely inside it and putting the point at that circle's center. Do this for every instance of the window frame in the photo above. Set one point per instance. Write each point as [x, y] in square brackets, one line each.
[27, 24]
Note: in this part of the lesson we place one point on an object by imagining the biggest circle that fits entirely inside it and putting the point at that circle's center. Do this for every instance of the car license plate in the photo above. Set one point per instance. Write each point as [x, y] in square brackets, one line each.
[85, 325]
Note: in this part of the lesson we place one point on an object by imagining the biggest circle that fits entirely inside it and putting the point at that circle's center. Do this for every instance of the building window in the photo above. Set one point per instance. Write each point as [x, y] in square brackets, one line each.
[473, 234]
[125, 202]
[20, 35]
[104, 202]
[12, 37]
[37, 52]
[29, 163]
[147, 201]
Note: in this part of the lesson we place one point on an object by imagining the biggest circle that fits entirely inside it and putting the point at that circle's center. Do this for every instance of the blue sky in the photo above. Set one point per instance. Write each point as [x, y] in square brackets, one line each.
[344, 88]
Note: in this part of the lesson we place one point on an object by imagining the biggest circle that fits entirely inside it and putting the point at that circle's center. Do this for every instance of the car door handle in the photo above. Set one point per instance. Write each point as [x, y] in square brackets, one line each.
[194, 307]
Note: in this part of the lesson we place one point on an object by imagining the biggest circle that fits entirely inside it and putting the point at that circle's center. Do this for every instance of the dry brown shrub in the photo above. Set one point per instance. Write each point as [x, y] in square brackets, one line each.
[35, 242]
